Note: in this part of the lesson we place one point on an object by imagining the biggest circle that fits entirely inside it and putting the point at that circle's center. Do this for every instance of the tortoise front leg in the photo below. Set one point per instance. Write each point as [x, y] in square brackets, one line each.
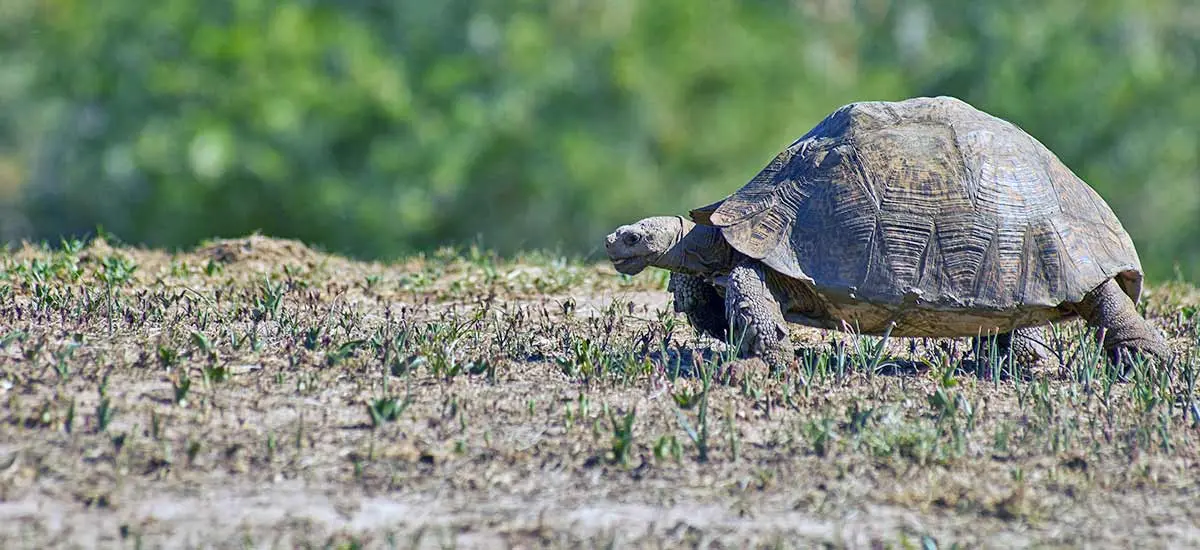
[1126, 334]
[701, 303]
[755, 317]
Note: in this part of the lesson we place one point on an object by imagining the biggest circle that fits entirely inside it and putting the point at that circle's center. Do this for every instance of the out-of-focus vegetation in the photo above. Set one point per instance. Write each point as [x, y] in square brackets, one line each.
[379, 128]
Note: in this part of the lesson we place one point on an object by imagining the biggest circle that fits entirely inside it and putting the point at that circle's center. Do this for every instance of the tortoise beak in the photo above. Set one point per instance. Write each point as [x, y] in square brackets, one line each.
[612, 244]
[629, 266]
[624, 263]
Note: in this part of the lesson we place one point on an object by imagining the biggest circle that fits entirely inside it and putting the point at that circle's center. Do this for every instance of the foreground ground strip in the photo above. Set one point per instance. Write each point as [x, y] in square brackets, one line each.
[256, 392]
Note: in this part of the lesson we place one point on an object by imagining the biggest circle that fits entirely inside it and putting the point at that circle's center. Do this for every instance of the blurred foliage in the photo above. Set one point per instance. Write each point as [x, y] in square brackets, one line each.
[379, 128]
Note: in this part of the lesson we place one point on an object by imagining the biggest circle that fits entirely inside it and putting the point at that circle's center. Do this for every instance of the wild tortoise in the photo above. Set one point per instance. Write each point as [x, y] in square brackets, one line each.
[926, 213]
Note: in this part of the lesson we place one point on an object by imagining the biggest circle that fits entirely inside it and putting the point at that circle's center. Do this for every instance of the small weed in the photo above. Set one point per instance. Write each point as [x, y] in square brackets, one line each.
[407, 365]
[735, 444]
[69, 419]
[10, 337]
[215, 374]
[387, 409]
[116, 270]
[699, 435]
[104, 413]
[61, 360]
[203, 346]
[155, 425]
[821, 435]
[268, 300]
[622, 435]
[869, 351]
[181, 388]
[668, 446]
[343, 352]
[193, 450]
[213, 268]
[168, 357]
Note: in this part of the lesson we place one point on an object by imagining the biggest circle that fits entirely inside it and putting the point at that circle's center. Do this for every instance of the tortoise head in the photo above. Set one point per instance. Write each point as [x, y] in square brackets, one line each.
[635, 246]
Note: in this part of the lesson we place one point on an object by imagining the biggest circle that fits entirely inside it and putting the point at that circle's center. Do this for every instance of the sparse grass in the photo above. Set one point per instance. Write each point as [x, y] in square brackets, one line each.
[159, 399]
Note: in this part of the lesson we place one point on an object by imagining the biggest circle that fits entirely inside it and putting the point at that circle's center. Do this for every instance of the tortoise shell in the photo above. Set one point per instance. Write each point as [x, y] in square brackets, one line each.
[928, 213]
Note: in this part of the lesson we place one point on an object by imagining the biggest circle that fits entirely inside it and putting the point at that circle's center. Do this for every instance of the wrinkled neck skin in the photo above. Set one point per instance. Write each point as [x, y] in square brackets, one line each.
[699, 250]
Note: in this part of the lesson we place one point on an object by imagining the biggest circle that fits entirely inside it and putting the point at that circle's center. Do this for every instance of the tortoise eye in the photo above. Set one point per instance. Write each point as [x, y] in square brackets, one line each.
[632, 239]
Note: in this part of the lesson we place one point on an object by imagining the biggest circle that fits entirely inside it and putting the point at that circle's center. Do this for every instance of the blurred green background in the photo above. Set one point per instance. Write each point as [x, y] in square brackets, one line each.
[381, 128]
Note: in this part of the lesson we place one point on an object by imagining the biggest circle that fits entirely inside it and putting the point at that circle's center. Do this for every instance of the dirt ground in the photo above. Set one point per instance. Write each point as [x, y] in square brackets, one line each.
[256, 393]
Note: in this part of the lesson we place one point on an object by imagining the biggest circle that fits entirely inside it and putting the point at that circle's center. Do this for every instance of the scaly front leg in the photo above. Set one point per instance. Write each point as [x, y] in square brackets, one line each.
[756, 318]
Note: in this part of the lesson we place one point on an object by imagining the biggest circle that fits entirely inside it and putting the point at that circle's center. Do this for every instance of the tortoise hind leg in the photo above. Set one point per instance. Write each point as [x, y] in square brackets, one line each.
[1126, 333]
[1024, 345]
[756, 318]
[701, 303]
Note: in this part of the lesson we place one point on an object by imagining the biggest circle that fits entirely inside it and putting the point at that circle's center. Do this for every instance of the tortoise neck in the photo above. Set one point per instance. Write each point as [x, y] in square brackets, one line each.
[698, 250]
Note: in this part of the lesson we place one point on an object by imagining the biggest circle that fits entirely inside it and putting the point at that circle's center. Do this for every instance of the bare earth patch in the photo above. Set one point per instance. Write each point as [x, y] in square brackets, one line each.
[255, 392]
